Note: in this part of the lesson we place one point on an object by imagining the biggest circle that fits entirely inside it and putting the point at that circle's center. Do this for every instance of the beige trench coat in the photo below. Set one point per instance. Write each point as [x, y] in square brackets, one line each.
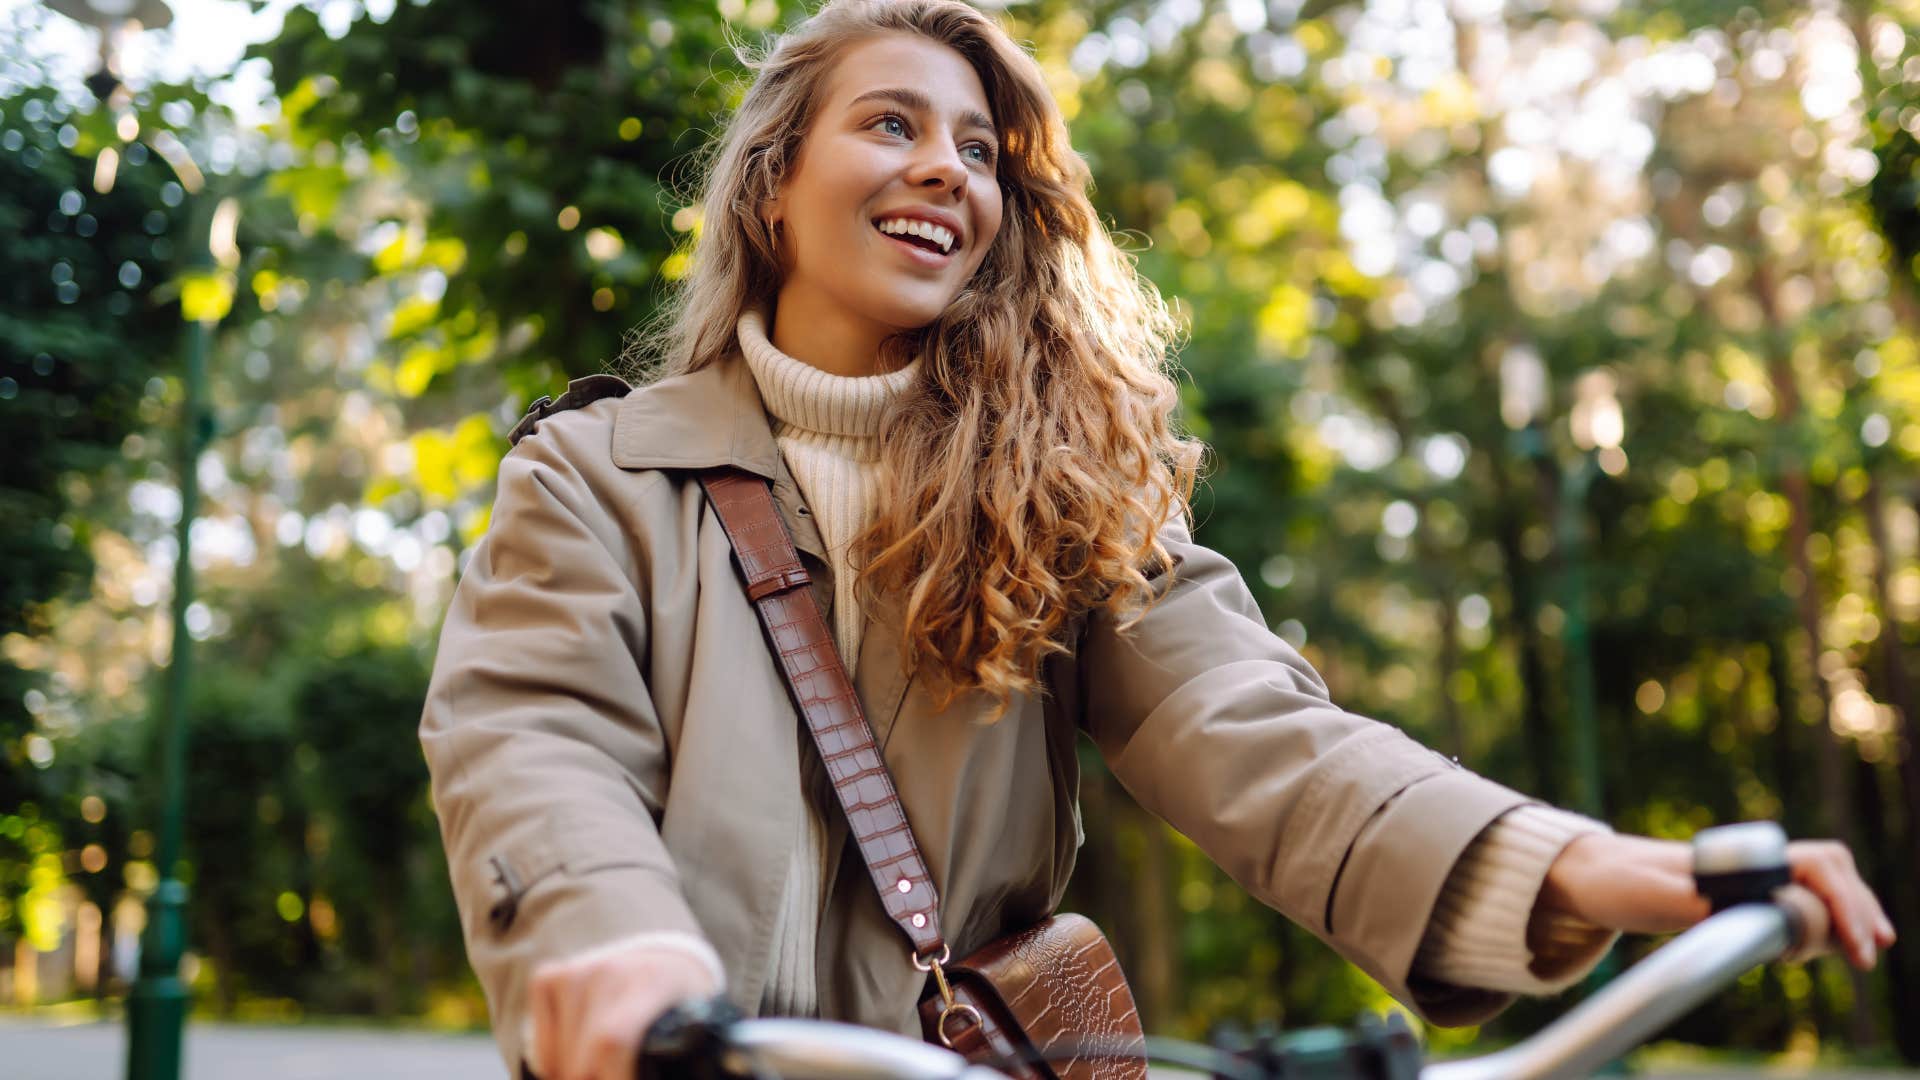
[611, 744]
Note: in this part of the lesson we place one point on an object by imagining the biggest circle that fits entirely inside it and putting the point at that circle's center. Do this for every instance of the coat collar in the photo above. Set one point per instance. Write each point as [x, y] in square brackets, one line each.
[714, 416]
[701, 420]
[710, 418]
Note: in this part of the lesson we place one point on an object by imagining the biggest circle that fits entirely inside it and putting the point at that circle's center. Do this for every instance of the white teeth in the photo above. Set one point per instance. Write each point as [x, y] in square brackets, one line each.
[936, 233]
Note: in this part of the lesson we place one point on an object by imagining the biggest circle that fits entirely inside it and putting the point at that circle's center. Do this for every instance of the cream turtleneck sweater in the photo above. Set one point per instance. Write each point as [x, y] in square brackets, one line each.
[828, 430]
[827, 427]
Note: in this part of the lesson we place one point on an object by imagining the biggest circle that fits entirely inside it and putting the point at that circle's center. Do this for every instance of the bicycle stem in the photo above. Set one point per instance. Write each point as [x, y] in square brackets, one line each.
[1636, 1005]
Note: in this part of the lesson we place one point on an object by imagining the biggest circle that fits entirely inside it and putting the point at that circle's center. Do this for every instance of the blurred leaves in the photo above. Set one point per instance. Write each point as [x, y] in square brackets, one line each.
[1362, 212]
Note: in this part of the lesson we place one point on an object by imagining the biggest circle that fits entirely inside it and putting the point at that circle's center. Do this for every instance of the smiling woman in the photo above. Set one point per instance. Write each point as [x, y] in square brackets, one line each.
[915, 163]
[905, 320]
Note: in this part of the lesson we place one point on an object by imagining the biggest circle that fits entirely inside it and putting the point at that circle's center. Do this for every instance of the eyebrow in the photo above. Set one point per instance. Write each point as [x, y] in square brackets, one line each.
[914, 99]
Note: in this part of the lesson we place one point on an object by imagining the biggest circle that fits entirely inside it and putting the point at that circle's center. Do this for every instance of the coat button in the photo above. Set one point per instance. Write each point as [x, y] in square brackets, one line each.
[507, 890]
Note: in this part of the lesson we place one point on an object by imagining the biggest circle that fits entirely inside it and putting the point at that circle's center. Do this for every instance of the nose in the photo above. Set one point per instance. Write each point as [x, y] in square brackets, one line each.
[938, 167]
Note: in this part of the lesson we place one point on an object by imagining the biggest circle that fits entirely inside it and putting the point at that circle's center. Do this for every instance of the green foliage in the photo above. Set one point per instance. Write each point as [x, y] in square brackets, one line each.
[241, 769]
[545, 142]
[464, 205]
[358, 712]
[78, 330]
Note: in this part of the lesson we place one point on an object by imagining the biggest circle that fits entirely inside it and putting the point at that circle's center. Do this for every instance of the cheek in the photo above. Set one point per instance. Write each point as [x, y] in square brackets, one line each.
[835, 186]
[990, 219]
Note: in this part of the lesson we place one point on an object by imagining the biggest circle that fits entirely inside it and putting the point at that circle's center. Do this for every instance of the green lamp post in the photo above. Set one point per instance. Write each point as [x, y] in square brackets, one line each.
[157, 1003]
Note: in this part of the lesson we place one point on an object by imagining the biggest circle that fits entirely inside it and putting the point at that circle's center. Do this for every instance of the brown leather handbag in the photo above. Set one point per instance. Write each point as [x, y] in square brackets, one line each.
[1046, 1003]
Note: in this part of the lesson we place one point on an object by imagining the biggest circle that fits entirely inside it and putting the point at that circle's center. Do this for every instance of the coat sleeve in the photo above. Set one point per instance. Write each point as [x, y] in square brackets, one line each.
[547, 758]
[1341, 823]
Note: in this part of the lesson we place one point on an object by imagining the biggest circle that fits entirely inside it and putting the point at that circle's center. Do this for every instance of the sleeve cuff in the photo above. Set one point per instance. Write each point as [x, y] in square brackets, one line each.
[693, 945]
[1482, 923]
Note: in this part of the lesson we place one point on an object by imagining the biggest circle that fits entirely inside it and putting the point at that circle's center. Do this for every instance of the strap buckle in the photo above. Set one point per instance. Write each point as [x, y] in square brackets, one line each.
[950, 1007]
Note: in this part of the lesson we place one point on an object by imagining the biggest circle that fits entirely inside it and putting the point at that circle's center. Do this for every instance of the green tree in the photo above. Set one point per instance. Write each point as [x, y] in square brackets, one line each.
[79, 326]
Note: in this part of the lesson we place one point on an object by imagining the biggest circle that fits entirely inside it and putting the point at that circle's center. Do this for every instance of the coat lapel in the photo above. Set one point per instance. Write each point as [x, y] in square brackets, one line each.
[710, 418]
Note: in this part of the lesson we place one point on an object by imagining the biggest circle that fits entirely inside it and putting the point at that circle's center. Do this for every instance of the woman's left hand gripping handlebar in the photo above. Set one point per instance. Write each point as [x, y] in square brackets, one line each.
[1641, 885]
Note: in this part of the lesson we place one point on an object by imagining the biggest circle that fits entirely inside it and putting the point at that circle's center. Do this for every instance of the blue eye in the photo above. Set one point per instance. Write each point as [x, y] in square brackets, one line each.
[895, 125]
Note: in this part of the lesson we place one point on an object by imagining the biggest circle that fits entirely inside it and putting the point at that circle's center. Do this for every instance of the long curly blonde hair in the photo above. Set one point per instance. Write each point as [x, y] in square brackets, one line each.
[1027, 473]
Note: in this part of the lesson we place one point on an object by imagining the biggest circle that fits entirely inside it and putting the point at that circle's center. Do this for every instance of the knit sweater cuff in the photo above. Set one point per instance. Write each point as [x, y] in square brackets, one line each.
[1480, 928]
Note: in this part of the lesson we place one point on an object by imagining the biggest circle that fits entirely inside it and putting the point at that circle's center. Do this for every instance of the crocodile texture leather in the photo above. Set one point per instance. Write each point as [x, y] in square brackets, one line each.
[777, 583]
[1060, 984]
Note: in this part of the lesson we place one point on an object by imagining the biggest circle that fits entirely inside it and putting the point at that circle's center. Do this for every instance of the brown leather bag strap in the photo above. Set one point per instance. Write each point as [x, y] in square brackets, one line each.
[777, 583]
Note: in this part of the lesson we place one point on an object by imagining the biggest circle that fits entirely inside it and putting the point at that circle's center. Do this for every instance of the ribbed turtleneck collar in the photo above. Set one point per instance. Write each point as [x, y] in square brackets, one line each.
[802, 396]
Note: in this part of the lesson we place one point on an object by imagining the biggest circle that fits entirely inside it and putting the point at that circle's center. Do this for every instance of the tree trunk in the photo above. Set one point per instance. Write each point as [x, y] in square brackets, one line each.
[103, 979]
[1897, 891]
[1786, 726]
[1536, 727]
[1893, 668]
[1450, 721]
[1156, 975]
[1830, 755]
[1836, 814]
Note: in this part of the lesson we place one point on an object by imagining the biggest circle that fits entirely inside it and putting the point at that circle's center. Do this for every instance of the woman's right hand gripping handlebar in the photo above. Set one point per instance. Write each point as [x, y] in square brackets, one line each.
[588, 1013]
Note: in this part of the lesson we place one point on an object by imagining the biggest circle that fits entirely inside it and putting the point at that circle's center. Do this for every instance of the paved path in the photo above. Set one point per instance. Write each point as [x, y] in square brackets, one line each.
[36, 1050]
[97, 1051]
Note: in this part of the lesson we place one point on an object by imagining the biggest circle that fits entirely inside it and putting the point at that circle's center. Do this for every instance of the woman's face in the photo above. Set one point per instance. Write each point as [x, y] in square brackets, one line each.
[902, 140]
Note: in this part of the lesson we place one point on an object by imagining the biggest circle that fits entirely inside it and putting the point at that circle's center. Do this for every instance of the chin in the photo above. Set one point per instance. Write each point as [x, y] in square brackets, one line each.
[908, 313]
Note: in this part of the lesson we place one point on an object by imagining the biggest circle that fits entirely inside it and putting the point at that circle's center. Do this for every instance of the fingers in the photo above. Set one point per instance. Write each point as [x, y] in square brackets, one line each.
[590, 1013]
[549, 1021]
[1827, 868]
[589, 1022]
[1815, 925]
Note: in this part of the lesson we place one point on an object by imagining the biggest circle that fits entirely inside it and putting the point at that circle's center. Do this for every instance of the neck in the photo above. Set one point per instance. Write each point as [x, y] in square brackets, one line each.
[826, 336]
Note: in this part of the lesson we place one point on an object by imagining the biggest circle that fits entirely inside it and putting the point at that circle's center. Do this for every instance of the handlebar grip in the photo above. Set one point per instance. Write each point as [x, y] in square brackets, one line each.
[1740, 864]
[1747, 863]
[685, 1042]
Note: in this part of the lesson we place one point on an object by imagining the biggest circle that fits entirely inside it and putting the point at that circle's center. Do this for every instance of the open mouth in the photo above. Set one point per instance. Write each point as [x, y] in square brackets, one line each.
[922, 235]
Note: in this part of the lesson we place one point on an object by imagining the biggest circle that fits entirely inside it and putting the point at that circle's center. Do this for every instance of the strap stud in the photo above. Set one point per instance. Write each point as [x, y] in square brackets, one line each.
[919, 920]
[904, 885]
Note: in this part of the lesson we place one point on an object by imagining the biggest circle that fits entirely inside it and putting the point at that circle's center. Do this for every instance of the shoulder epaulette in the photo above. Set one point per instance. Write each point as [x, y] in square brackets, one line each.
[579, 392]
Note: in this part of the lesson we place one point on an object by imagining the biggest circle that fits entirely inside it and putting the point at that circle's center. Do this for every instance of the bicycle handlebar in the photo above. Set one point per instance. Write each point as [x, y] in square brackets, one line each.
[1629, 1009]
[1656, 991]
[810, 1049]
[1742, 869]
